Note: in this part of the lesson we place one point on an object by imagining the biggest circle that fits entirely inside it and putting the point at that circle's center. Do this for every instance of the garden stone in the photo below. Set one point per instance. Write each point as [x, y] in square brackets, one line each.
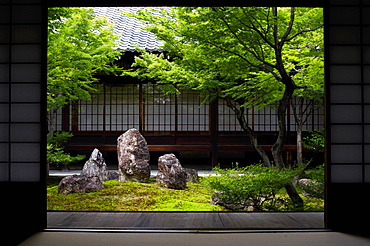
[95, 166]
[170, 172]
[79, 183]
[191, 175]
[307, 186]
[133, 157]
[113, 175]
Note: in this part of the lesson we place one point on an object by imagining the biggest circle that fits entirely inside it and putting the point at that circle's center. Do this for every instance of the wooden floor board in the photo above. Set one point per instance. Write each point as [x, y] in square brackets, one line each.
[185, 220]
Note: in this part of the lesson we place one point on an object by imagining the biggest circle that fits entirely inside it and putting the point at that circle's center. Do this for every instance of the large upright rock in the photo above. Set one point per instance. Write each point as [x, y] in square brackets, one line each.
[95, 166]
[170, 172]
[133, 157]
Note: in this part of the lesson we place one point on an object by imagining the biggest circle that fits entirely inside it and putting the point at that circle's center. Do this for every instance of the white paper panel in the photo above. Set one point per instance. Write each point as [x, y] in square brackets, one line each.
[25, 172]
[5, 14]
[346, 114]
[345, 94]
[4, 172]
[346, 154]
[4, 53]
[4, 109]
[367, 153]
[345, 35]
[26, 53]
[346, 74]
[26, 72]
[26, 14]
[4, 34]
[25, 113]
[26, 34]
[4, 93]
[4, 132]
[345, 54]
[4, 152]
[346, 134]
[367, 114]
[346, 173]
[367, 174]
[4, 73]
[26, 93]
[25, 152]
[367, 95]
[25, 133]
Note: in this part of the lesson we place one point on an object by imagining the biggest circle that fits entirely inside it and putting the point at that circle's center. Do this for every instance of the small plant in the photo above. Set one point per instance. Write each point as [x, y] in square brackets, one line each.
[248, 188]
[315, 141]
[55, 150]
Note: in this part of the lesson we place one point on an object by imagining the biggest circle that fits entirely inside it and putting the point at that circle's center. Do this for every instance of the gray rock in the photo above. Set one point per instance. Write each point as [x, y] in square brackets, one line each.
[191, 175]
[133, 157]
[79, 183]
[113, 175]
[95, 166]
[170, 172]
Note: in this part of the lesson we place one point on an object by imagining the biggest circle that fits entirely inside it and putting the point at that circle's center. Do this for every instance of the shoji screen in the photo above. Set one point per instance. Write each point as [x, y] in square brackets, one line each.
[21, 117]
[348, 113]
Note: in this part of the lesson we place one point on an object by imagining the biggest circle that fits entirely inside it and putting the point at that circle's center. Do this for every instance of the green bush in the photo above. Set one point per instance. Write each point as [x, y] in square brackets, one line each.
[315, 186]
[315, 141]
[249, 188]
[55, 150]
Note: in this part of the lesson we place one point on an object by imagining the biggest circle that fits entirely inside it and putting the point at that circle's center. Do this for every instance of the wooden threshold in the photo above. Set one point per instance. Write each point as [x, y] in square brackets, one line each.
[186, 220]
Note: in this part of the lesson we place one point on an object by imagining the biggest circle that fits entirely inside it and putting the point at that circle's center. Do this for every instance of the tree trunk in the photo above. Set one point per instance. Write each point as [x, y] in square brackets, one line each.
[252, 136]
[278, 146]
[52, 123]
[299, 142]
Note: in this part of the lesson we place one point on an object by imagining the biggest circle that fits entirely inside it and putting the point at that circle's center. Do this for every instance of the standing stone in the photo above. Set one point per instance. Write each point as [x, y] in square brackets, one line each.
[95, 166]
[79, 183]
[170, 172]
[191, 175]
[133, 157]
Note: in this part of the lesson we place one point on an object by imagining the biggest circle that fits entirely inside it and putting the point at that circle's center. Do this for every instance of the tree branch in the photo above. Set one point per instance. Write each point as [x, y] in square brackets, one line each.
[243, 43]
[304, 31]
[291, 22]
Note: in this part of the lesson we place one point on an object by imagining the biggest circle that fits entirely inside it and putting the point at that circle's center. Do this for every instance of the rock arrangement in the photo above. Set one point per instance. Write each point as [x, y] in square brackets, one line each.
[79, 183]
[133, 166]
[133, 157]
[96, 166]
[170, 172]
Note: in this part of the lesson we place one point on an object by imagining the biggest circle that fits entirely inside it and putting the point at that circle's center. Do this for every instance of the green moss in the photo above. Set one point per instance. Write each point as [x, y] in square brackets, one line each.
[130, 196]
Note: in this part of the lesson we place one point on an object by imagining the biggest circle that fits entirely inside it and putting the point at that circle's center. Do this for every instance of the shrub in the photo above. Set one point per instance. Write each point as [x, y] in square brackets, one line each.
[248, 188]
[55, 150]
[314, 186]
[315, 141]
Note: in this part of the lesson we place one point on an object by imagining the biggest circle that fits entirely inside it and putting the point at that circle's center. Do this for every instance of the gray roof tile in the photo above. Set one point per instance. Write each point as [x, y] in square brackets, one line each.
[129, 29]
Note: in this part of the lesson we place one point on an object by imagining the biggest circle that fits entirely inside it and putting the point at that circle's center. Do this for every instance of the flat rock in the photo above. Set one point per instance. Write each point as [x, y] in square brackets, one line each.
[79, 184]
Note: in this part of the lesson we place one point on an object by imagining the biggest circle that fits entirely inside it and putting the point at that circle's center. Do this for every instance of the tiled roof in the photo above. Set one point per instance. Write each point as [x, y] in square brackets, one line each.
[129, 29]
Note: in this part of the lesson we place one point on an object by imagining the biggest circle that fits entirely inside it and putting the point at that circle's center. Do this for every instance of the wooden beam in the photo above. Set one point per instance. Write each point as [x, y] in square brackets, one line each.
[177, 148]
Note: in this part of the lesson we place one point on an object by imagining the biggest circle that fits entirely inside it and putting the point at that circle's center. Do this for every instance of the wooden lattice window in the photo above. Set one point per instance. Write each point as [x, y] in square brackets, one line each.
[122, 107]
[91, 113]
[159, 109]
[191, 114]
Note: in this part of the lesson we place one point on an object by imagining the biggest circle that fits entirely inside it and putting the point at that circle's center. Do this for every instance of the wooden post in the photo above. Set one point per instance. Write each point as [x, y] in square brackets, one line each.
[213, 128]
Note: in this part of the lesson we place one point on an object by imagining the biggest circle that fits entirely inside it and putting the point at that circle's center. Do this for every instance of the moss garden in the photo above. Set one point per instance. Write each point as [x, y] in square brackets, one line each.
[130, 196]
